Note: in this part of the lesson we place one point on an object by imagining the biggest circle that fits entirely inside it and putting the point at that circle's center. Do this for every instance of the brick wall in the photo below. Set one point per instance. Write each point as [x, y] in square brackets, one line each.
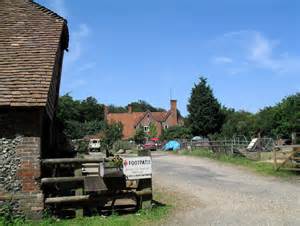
[25, 123]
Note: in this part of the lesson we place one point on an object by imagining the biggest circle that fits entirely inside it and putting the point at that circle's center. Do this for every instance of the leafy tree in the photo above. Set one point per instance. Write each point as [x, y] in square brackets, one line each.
[113, 132]
[265, 121]
[287, 116]
[205, 115]
[116, 109]
[176, 132]
[137, 106]
[80, 118]
[142, 106]
[68, 109]
[238, 123]
[76, 130]
[139, 135]
[90, 110]
[152, 130]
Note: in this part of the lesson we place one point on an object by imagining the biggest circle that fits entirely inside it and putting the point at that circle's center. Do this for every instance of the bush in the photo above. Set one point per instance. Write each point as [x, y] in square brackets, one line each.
[122, 144]
[176, 132]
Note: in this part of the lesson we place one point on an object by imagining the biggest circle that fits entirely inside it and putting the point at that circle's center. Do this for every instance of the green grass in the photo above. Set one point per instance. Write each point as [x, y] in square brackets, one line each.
[142, 217]
[139, 218]
[259, 167]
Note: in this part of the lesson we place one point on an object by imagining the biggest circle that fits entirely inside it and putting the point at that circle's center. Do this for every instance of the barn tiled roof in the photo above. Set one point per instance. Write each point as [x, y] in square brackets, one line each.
[30, 38]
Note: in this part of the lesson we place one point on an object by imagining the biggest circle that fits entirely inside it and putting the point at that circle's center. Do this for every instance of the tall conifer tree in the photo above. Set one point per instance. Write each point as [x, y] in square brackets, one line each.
[205, 115]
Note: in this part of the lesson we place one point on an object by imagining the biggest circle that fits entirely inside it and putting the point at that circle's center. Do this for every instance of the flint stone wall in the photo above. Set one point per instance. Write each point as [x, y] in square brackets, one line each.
[10, 163]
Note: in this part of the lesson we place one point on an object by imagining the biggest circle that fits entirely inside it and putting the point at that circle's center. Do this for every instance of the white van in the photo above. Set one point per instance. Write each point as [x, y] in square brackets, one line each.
[94, 145]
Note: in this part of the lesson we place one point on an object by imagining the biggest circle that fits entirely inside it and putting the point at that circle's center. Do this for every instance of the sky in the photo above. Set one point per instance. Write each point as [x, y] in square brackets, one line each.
[123, 51]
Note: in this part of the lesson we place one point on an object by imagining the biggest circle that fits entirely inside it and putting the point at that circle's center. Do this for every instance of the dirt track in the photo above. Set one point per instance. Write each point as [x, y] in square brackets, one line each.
[219, 194]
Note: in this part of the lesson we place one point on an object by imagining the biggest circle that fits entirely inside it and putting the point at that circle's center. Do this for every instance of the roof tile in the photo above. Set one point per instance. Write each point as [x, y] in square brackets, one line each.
[30, 35]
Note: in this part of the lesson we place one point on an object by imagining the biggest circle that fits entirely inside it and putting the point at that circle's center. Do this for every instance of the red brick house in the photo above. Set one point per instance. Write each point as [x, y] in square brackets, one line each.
[32, 44]
[134, 120]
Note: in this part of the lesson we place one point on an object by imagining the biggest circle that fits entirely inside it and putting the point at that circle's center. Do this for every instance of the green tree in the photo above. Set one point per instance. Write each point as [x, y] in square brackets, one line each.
[68, 109]
[80, 118]
[205, 115]
[142, 106]
[152, 130]
[139, 135]
[287, 116]
[265, 121]
[238, 123]
[113, 132]
[176, 132]
[90, 110]
[116, 109]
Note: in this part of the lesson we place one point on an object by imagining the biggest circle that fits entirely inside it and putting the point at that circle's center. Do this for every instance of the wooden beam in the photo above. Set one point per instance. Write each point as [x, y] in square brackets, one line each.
[144, 192]
[85, 198]
[54, 180]
[72, 160]
[67, 199]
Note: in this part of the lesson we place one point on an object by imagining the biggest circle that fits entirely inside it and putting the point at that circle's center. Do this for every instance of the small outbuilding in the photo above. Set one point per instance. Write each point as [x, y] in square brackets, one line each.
[32, 44]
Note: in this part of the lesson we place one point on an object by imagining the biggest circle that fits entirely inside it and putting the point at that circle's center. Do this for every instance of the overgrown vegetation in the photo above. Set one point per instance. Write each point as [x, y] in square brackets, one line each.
[279, 121]
[259, 167]
[176, 132]
[8, 216]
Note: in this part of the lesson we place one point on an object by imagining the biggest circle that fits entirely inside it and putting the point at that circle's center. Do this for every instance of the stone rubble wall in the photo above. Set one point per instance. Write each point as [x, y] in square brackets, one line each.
[10, 163]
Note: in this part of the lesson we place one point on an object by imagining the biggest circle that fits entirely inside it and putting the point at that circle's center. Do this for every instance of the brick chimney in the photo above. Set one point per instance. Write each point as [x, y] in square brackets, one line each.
[129, 109]
[174, 120]
[174, 105]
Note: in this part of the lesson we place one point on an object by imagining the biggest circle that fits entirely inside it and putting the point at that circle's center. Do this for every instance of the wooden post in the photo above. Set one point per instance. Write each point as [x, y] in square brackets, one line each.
[79, 191]
[275, 158]
[294, 138]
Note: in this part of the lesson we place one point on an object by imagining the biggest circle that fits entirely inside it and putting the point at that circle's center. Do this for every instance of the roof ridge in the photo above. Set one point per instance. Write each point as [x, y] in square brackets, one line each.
[47, 11]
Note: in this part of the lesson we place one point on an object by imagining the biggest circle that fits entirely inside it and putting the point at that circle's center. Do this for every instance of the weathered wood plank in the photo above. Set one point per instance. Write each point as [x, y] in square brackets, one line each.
[72, 160]
[79, 191]
[53, 180]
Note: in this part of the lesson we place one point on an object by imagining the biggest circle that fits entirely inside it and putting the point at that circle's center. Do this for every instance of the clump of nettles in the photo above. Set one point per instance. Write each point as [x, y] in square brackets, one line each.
[9, 215]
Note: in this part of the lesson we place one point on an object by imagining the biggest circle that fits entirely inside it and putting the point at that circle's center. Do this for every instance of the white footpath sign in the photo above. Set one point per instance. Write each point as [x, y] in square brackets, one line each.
[137, 167]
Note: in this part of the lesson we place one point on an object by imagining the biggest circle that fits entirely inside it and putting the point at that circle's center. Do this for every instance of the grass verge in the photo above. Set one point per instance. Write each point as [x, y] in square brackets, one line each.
[142, 217]
[259, 167]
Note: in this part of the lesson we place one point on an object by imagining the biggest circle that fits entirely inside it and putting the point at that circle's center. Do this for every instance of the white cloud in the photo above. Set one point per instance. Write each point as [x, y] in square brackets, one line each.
[59, 7]
[222, 60]
[76, 43]
[248, 49]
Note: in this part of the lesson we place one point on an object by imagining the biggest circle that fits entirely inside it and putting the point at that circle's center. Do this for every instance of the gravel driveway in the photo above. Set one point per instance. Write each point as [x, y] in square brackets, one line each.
[220, 194]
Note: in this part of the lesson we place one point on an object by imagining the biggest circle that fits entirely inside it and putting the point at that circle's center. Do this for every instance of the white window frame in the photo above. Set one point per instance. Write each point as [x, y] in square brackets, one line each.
[146, 129]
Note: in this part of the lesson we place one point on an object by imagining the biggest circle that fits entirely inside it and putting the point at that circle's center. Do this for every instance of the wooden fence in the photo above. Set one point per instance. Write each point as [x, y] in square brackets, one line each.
[287, 159]
[83, 192]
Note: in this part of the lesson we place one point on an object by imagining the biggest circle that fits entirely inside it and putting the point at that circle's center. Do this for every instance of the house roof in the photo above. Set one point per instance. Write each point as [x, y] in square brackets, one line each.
[125, 118]
[131, 120]
[135, 118]
[30, 38]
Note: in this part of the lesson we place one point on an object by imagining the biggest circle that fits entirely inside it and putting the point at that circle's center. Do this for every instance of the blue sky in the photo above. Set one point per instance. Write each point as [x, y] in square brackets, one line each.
[122, 51]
